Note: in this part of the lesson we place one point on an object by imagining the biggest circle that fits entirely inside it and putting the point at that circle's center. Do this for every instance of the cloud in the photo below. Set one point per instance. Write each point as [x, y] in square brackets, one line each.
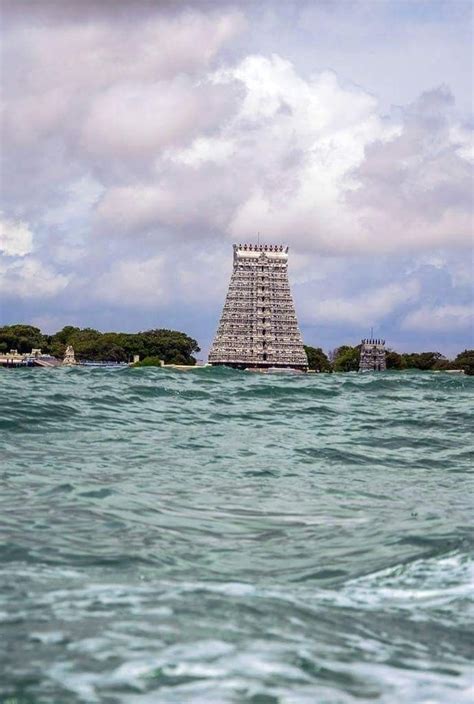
[16, 238]
[156, 45]
[140, 141]
[139, 84]
[441, 319]
[415, 190]
[139, 120]
[29, 278]
[286, 140]
[394, 49]
[176, 141]
[363, 309]
[21, 274]
[310, 162]
[135, 282]
[78, 198]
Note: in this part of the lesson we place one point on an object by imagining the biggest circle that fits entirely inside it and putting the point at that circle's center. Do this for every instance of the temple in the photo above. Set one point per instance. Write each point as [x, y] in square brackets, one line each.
[372, 356]
[258, 327]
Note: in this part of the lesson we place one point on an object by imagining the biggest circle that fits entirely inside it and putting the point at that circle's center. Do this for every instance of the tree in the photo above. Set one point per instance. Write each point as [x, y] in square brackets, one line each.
[317, 360]
[89, 344]
[346, 359]
[22, 338]
[172, 346]
[395, 360]
[465, 360]
[149, 362]
[58, 342]
[423, 360]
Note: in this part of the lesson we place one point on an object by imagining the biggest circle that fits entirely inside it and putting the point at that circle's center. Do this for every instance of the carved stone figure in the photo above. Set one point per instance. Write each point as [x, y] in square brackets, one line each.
[69, 356]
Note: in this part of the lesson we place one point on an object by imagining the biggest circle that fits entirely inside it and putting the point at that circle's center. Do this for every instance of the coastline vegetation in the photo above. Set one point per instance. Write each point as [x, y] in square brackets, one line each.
[346, 359]
[170, 345]
[174, 347]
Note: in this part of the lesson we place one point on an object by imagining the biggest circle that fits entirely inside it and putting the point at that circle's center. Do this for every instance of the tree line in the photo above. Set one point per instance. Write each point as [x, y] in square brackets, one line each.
[176, 347]
[346, 359]
[170, 345]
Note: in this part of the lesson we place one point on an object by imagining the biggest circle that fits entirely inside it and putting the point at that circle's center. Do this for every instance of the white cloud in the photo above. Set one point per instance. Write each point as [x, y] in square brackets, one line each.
[77, 200]
[172, 139]
[16, 238]
[30, 278]
[135, 282]
[366, 308]
[130, 89]
[415, 191]
[463, 140]
[306, 161]
[170, 129]
[278, 164]
[441, 319]
[137, 120]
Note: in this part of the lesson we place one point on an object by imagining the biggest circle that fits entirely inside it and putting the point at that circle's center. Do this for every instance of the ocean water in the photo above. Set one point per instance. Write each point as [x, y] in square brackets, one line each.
[218, 536]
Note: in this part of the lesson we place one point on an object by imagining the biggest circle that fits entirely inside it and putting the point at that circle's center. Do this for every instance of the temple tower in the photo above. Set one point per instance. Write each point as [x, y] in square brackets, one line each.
[258, 326]
[372, 356]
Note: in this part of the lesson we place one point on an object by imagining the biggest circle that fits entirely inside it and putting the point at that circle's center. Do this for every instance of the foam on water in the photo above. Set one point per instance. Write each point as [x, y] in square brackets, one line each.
[218, 536]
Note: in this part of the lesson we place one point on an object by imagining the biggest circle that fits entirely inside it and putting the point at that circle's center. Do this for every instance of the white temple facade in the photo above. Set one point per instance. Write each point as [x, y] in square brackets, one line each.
[258, 327]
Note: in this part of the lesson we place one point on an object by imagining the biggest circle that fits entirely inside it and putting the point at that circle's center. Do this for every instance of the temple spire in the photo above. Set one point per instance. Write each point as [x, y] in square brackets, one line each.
[258, 327]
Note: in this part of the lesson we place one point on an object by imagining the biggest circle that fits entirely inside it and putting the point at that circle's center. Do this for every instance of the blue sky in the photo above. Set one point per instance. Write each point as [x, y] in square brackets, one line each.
[141, 139]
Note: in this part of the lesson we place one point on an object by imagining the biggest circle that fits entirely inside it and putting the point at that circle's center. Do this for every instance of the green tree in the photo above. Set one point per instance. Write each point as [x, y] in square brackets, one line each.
[89, 344]
[423, 360]
[465, 360]
[22, 338]
[395, 360]
[172, 346]
[58, 342]
[317, 360]
[346, 359]
[149, 362]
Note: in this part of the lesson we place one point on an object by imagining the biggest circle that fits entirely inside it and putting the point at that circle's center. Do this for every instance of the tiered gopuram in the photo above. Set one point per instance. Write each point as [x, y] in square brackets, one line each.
[258, 328]
[372, 356]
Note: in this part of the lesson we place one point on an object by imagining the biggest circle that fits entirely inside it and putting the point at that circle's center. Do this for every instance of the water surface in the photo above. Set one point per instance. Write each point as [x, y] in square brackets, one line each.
[218, 536]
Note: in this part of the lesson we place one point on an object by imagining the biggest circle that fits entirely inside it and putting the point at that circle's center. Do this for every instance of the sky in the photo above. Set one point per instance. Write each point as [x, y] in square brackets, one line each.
[141, 139]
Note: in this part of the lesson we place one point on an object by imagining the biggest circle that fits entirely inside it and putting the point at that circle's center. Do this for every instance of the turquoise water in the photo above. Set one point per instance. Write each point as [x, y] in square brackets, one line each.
[219, 536]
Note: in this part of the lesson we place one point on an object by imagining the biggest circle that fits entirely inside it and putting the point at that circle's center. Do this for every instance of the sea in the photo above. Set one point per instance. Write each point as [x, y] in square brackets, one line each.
[215, 536]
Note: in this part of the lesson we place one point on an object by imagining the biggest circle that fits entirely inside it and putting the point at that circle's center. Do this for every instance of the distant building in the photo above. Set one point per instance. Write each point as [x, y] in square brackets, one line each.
[258, 327]
[372, 356]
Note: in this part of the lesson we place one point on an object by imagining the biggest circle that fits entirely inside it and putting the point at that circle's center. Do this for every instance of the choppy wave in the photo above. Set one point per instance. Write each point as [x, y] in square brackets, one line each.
[217, 536]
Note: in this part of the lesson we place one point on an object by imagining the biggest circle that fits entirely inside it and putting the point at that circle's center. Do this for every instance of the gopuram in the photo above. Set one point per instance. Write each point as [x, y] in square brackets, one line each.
[372, 356]
[258, 327]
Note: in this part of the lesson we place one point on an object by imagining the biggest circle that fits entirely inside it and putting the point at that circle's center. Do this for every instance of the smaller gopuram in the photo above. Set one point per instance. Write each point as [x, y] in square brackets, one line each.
[372, 356]
[69, 357]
